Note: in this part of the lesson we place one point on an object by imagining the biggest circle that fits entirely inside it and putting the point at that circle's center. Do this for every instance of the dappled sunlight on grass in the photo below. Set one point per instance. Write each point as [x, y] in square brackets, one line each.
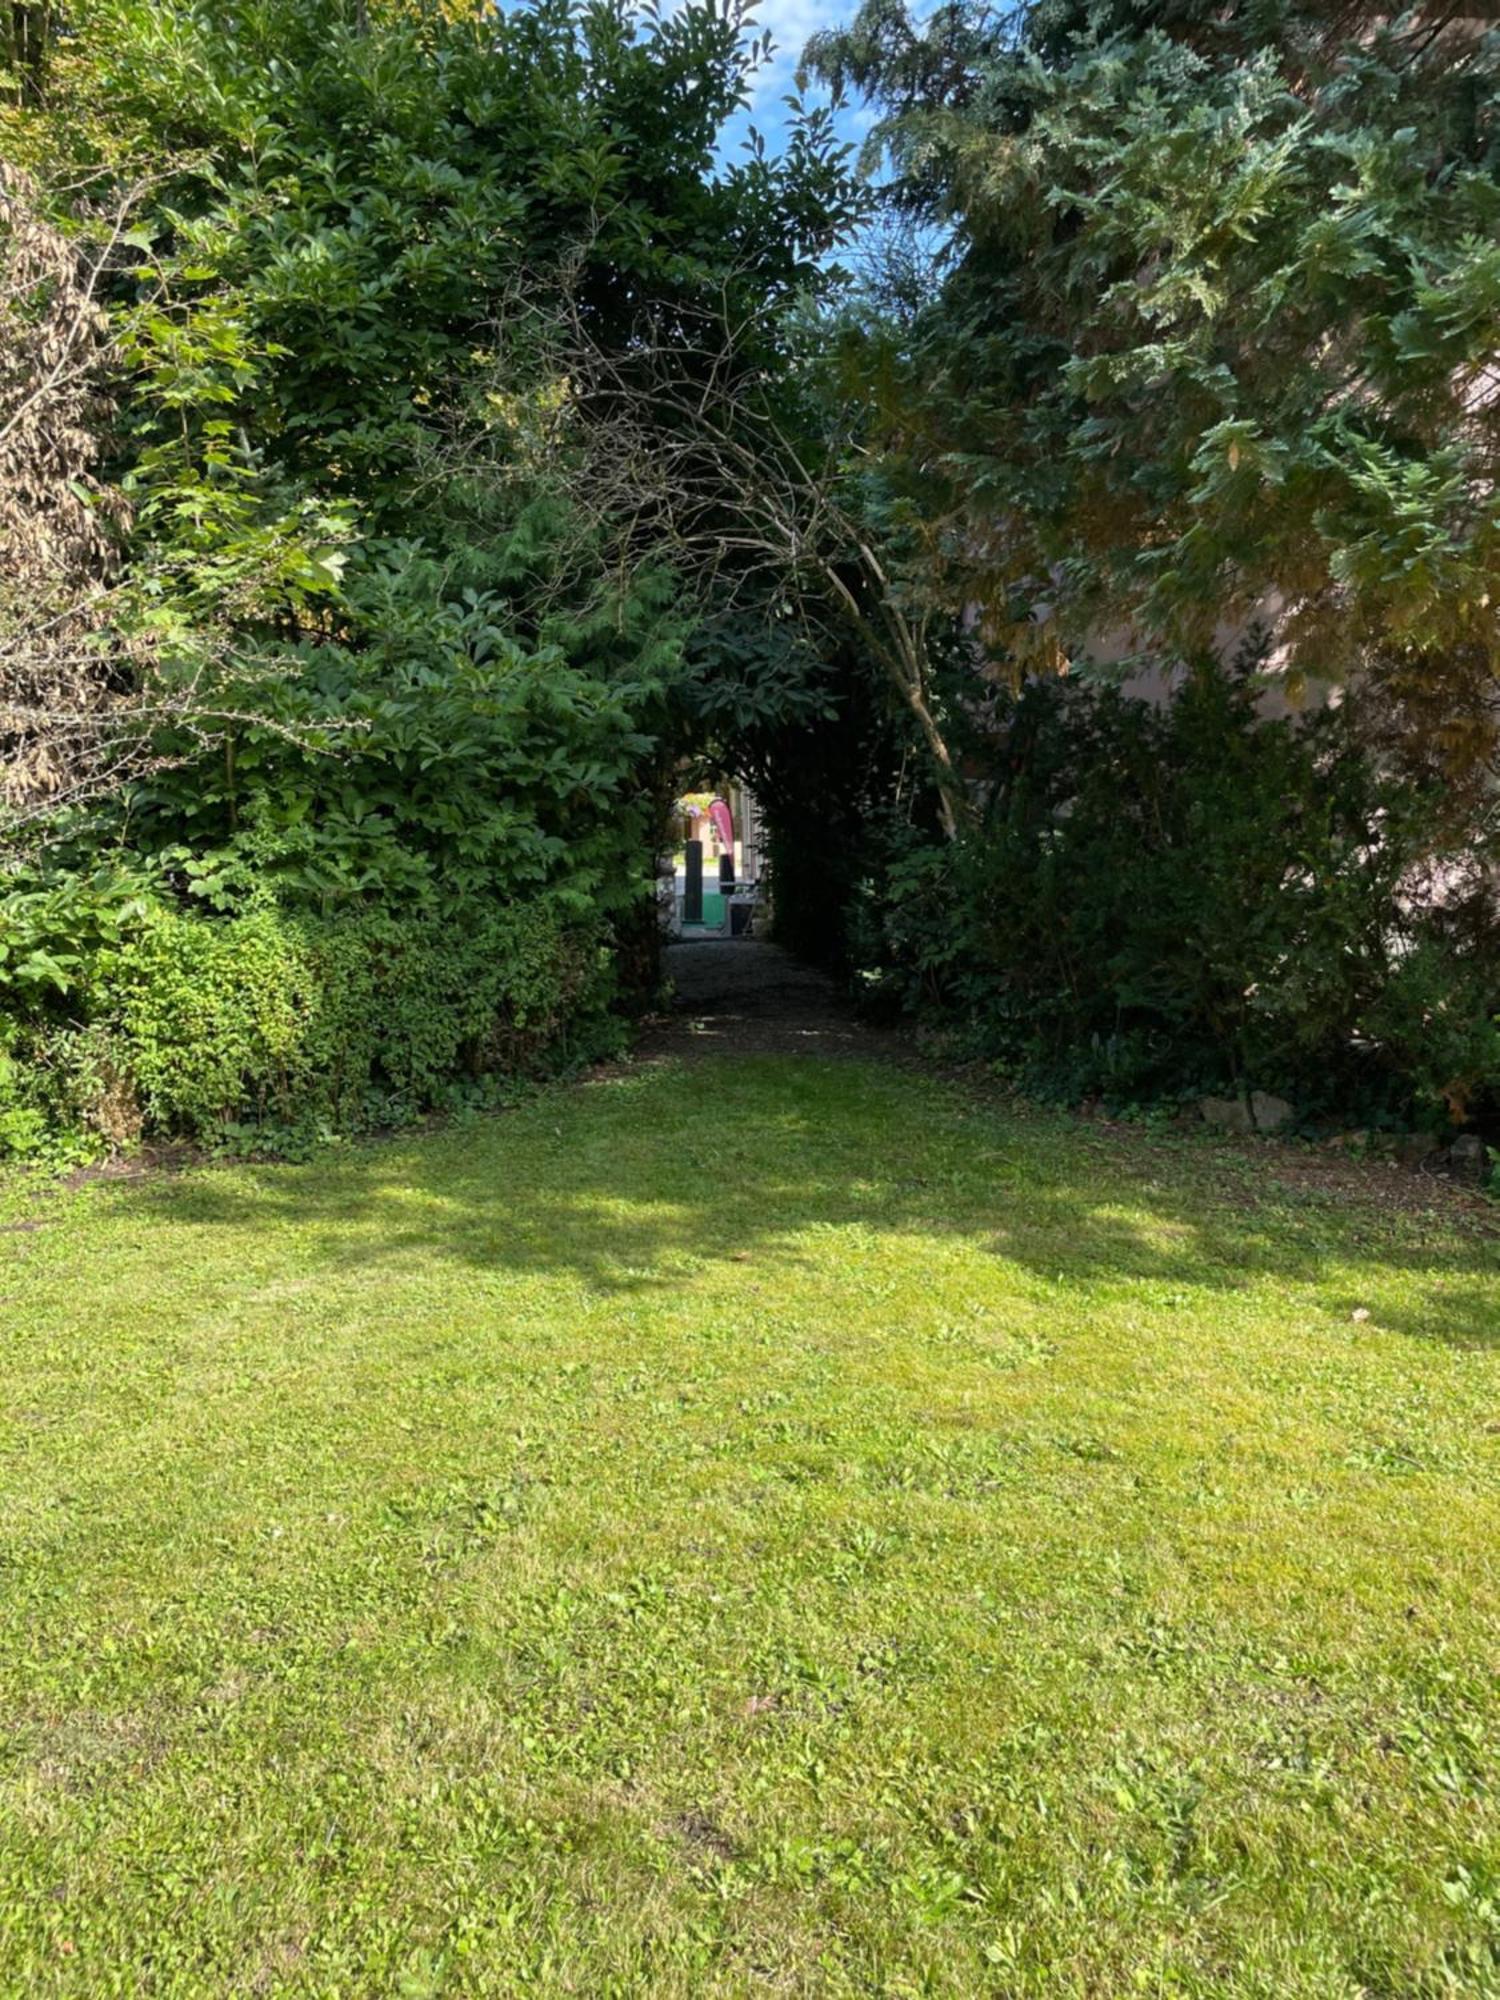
[750, 1521]
[547, 1202]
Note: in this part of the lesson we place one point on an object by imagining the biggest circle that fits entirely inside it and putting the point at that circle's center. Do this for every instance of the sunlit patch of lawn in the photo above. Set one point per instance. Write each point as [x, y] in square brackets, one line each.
[763, 1525]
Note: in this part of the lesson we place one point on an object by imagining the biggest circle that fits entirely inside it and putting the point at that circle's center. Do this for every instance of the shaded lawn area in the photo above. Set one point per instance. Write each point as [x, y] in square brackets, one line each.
[762, 1525]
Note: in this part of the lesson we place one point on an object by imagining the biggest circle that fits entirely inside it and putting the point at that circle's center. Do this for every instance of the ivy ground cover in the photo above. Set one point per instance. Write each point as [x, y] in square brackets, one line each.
[751, 1526]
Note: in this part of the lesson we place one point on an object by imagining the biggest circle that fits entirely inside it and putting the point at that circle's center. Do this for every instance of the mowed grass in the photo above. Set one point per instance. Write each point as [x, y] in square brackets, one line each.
[755, 1526]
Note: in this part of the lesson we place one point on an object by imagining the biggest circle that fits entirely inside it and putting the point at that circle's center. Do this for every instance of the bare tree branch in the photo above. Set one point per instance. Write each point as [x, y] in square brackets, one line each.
[87, 703]
[672, 447]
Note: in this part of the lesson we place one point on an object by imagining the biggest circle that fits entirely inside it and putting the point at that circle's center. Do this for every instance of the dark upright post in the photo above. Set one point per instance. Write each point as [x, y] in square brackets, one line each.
[692, 893]
[726, 874]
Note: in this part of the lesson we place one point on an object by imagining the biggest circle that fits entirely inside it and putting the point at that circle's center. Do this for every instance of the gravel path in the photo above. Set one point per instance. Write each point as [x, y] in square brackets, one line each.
[741, 996]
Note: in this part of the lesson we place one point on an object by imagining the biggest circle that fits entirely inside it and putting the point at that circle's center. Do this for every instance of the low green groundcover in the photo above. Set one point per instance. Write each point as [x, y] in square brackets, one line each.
[763, 1526]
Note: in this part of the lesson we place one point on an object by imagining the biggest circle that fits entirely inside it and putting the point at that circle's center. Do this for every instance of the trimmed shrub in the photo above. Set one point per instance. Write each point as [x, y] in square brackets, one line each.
[266, 1025]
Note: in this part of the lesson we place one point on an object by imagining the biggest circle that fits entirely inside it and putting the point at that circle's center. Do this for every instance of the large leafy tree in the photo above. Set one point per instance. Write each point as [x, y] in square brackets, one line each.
[309, 315]
[1216, 335]
[402, 696]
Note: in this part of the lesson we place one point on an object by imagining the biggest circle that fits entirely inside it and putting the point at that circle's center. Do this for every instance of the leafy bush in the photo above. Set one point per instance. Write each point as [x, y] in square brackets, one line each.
[277, 1024]
[1170, 900]
[347, 1021]
[415, 709]
[62, 1096]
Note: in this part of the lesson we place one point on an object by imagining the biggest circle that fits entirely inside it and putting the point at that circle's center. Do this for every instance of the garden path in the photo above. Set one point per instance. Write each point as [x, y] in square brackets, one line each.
[745, 996]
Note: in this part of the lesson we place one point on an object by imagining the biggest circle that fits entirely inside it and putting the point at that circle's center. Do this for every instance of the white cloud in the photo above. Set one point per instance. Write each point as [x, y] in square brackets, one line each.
[792, 24]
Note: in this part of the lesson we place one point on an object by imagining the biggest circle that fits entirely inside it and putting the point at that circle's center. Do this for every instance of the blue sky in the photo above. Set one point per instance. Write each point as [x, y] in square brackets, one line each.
[791, 23]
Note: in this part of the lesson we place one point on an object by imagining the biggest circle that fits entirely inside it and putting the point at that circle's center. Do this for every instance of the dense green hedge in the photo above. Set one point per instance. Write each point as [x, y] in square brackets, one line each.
[1166, 901]
[268, 1029]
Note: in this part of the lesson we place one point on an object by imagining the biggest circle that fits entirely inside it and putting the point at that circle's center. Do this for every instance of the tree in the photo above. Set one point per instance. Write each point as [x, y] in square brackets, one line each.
[431, 702]
[1217, 334]
[59, 523]
[724, 445]
[339, 198]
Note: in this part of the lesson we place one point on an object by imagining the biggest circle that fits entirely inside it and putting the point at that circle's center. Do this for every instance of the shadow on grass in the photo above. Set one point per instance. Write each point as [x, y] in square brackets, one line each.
[628, 1181]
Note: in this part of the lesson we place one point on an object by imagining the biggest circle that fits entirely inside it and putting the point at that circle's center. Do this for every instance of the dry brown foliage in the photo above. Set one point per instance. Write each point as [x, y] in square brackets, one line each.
[66, 678]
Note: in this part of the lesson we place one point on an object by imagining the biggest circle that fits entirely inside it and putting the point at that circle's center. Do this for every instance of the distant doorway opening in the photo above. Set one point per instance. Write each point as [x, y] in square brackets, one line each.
[710, 883]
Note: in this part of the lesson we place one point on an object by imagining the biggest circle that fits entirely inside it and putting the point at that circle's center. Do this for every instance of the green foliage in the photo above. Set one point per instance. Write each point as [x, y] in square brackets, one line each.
[1194, 897]
[1219, 295]
[1206, 348]
[347, 205]
[288, 1021]
[422, 710]
[1220, 305]
[435, 753]
[124, 1013]
[62, 935]
[60, 1101]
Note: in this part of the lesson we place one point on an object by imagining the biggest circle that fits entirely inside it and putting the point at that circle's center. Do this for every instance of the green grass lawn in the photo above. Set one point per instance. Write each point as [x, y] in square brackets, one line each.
[759, 1526]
